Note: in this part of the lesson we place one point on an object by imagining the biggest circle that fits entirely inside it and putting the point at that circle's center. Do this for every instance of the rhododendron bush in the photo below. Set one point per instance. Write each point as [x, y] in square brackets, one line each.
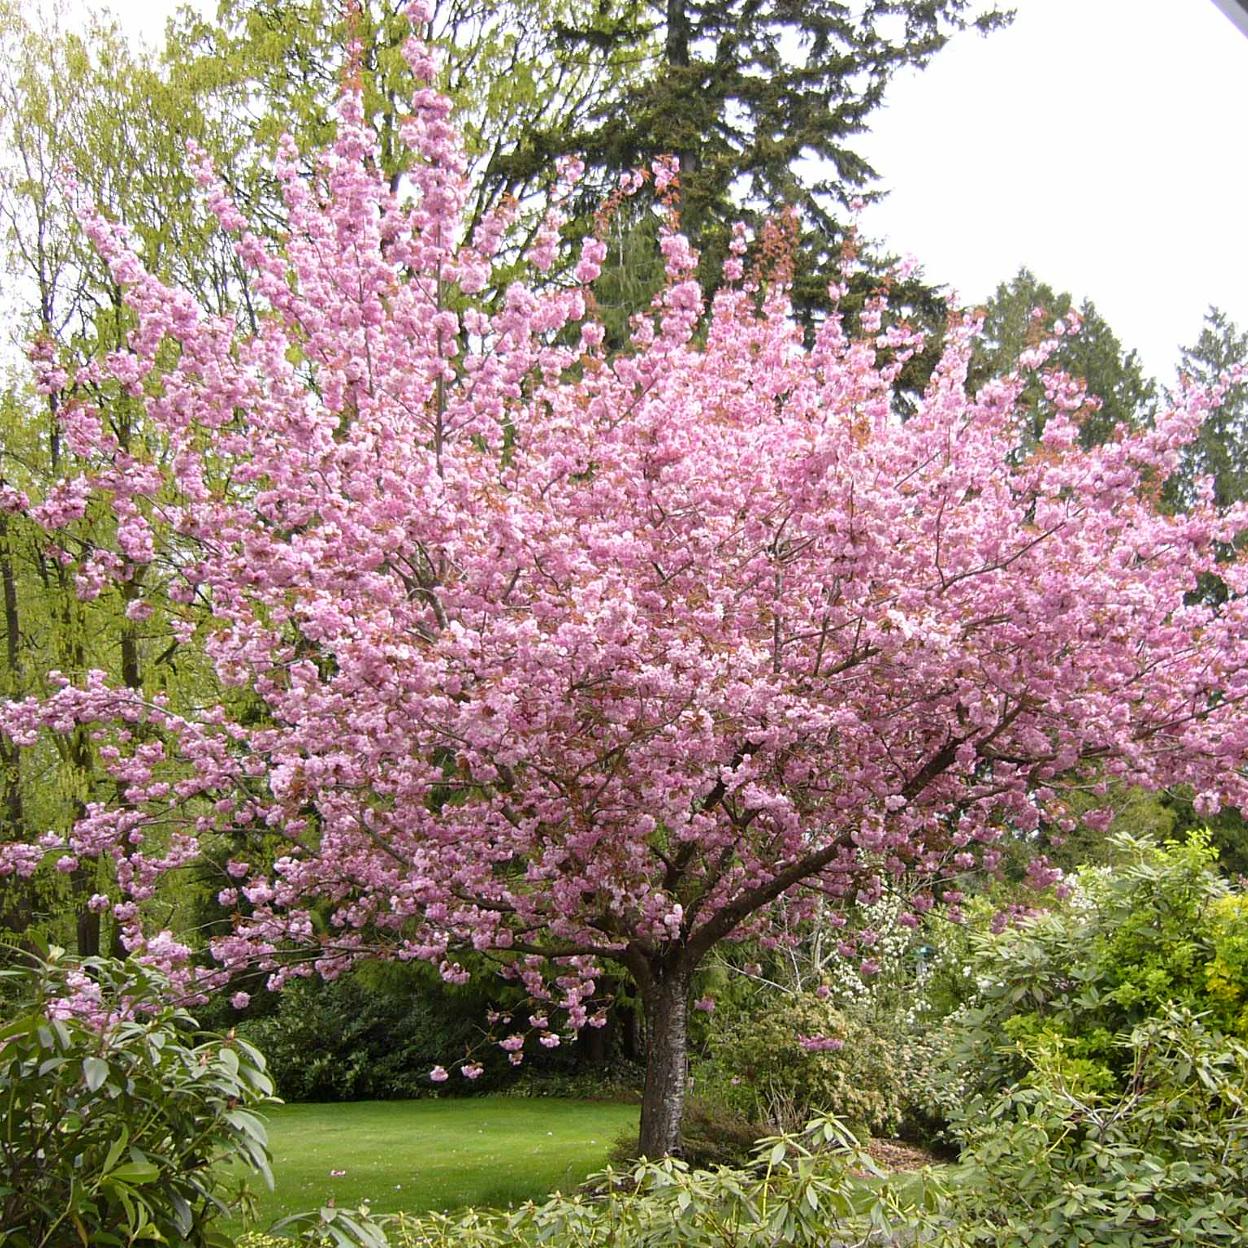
[589, 655]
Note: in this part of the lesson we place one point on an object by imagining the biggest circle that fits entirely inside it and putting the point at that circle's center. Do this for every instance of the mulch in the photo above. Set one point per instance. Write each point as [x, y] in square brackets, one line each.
[895, 1155]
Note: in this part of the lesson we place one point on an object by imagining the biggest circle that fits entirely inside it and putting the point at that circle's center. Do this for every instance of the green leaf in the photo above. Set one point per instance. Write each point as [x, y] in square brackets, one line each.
[248, 1124]
[116, 1149]
[95, 1071]
[18, 1026]
[136, 1172]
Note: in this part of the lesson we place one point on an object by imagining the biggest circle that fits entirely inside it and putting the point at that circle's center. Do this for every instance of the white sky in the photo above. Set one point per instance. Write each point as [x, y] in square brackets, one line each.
[1099, 142]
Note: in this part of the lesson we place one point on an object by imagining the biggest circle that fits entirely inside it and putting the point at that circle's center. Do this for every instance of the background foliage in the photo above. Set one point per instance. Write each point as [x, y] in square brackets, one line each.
[119, 1114]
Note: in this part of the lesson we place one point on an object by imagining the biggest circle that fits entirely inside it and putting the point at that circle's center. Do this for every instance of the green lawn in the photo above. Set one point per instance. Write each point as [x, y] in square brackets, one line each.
[435, 1154]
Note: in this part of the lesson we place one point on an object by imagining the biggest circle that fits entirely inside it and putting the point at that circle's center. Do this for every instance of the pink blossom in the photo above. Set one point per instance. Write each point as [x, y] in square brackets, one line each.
[585, 634]
[438, 1075]
[1099, 820]
[821, 1044]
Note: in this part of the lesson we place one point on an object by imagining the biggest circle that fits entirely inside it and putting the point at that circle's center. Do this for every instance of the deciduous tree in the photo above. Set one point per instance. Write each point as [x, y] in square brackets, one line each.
[82, 101]
[579, 658]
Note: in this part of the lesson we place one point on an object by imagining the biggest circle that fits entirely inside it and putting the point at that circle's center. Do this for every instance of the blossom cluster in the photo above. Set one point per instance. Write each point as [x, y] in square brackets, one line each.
[568, 652]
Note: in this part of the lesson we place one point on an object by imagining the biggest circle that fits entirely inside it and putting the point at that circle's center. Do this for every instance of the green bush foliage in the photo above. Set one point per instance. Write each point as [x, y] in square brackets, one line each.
[782, 1063]
[1159, 1159]
[1226, 977]
[1100, 1065]
[1158, 929]
[375, 1034]
[711, 1134]
[352, 1039]
[119, 1114]
[615, 1080]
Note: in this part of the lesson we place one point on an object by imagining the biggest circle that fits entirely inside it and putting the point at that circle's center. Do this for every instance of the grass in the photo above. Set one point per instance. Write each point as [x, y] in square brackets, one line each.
[435, 1154]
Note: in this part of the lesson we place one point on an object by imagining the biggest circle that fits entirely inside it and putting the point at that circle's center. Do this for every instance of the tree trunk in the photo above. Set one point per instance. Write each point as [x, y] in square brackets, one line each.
[87, 923]
[676, 52]
[666, 1001]
[16, 894]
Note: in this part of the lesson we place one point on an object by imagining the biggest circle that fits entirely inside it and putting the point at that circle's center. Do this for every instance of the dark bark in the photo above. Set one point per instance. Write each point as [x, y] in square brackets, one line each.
[131, 673]
[82, 878]
[87, 923]
[12, 622]
[676, 54]
[666, 999]
[16, 904]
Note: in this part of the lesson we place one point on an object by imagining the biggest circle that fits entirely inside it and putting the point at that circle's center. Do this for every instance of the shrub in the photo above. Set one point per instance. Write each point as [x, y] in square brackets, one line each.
[800, 1056]
[711, 1134]
[1100, 1059]
[1161, 1159]
[1157, 930]
[889, 1076]
[1226, 976]
[119, 1112]
[340, 1041]
[377, 1031]
[615, 1080]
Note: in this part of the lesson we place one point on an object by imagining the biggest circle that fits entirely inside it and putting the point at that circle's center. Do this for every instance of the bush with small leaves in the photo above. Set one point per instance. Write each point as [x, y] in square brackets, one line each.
[373, 1034]
[800, 1057]
[119, 1113]
[1226, 977]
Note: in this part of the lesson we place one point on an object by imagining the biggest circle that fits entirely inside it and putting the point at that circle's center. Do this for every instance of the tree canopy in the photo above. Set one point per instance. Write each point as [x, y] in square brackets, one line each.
[1220, 452]
[1022, 313]
[570, 655]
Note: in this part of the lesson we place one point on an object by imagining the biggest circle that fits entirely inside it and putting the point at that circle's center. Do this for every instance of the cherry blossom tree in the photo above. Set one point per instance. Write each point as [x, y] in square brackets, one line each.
[578, 658]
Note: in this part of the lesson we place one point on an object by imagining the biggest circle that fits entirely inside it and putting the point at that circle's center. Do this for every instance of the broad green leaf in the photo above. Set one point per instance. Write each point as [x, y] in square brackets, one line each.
[95, 1071]
[136, 1172]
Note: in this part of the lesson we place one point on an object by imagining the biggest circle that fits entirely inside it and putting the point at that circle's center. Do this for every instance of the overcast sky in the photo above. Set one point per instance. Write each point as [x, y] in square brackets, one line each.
[1099, 142]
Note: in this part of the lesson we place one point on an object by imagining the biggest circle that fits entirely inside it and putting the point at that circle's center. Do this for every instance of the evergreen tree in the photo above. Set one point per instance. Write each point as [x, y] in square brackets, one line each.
[1221, 451]
[1021, 313]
